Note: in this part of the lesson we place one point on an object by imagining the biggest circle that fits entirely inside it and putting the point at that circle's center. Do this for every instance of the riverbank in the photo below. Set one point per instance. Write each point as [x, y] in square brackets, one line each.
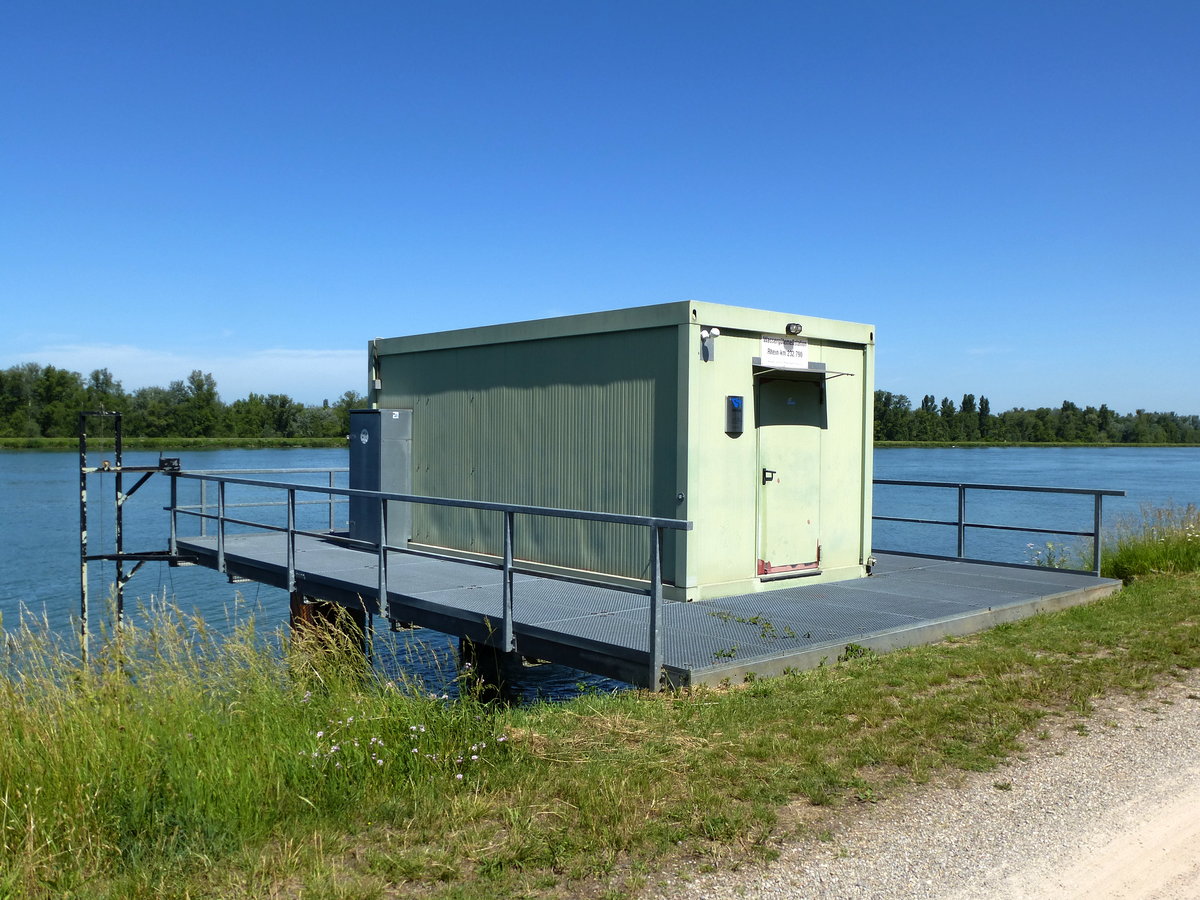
[241, 773]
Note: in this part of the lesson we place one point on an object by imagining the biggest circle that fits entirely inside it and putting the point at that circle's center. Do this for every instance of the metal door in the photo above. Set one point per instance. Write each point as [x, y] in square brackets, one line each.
[790, 414]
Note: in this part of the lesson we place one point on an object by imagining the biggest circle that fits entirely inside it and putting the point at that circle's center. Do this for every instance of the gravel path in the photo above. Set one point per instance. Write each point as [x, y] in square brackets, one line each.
[1113, 813]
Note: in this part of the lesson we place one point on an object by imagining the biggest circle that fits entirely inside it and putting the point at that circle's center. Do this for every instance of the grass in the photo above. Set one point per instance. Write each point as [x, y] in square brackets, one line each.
[182, 765]
[1165, 540]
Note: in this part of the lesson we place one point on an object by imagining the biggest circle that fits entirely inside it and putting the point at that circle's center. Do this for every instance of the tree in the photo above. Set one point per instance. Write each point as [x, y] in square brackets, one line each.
[200, 410]
[18, 413]
[892, 417]
[1070, 421]
[985, 419]
[272, 415]
[104, 392]
[968, 419]
[60, 397]
[151, 412]
[348, 401]
[949, 417]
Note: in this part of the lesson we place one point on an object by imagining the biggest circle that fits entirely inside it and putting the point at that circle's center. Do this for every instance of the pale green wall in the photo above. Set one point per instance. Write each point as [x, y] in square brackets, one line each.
[724, 474]
[580, 422]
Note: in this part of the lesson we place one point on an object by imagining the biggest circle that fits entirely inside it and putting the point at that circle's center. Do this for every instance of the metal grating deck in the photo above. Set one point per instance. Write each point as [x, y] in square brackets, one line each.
[908, 601]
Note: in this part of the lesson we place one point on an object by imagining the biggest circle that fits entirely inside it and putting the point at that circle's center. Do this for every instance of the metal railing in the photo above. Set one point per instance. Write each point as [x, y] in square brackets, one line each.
[960, 524]
[507, 564]
[332, 502]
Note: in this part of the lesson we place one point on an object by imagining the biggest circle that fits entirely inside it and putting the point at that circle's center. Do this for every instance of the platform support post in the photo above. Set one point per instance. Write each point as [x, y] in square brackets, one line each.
[316, 616]
[487, 666]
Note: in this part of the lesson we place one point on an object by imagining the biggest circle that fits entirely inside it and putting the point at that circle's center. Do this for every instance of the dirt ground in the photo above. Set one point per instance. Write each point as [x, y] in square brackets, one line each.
[1155, 855]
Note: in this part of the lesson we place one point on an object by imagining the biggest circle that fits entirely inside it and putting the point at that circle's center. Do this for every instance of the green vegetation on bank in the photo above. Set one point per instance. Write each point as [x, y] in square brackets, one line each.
[973, 422]
[44, 402]
[182, 765]
[169, 443]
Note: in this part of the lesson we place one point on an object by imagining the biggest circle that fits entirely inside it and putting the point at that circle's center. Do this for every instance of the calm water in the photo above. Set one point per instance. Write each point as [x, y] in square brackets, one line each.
[1150, 476]
[39, 522]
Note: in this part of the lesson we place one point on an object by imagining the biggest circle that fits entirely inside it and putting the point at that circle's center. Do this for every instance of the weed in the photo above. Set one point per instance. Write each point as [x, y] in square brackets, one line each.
[856, 651]
[767, 629]
[1050, 555]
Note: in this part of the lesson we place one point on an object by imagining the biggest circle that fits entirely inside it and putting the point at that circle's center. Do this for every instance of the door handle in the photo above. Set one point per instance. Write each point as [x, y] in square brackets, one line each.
[768, 475]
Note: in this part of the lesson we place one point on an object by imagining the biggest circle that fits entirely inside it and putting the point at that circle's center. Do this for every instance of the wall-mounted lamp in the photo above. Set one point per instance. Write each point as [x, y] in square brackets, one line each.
[708, 346]
[794, 328]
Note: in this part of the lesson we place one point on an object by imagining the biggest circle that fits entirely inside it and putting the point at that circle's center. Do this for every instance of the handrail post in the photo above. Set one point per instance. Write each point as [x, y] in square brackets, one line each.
[291, 540]
[656, 598]
[221, 527]
[962, 520]
[332, 524]
[382, 589]
[172, 544]
[203, 508]
[507, 637]
[1098, 521]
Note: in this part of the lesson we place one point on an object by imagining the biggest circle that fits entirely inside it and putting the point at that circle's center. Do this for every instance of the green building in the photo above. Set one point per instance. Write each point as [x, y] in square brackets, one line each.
[755, 425]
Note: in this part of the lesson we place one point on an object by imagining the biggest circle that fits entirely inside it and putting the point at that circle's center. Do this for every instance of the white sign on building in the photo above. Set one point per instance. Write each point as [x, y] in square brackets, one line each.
[784, 353]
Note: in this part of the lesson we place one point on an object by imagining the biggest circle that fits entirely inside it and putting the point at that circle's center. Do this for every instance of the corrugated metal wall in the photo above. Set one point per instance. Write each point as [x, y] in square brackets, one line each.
[585, 422]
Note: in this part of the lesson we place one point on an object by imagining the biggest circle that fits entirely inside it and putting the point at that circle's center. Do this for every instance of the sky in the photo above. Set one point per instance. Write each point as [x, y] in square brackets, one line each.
[1009, 191]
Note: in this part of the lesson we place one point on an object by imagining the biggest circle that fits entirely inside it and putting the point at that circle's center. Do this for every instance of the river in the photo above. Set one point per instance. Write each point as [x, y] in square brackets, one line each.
[39, 519]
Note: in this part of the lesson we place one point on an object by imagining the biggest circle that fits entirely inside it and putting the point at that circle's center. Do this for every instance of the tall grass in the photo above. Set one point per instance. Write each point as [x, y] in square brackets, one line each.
[176, 744]
[1161, 541]
[1166, 540]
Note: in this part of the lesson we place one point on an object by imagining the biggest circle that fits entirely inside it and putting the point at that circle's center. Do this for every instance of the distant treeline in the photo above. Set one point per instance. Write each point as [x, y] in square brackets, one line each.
[897, 420]
[44, 401]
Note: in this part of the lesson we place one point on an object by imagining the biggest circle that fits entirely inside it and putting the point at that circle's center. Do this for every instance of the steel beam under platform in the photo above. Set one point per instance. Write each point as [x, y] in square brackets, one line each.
[909, 600]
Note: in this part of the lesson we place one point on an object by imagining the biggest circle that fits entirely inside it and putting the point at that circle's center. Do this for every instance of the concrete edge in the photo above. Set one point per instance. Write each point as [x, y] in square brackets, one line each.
[891, 639]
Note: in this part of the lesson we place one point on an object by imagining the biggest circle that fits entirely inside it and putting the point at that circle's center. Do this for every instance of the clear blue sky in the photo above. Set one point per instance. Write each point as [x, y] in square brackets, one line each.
[1008, 191]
